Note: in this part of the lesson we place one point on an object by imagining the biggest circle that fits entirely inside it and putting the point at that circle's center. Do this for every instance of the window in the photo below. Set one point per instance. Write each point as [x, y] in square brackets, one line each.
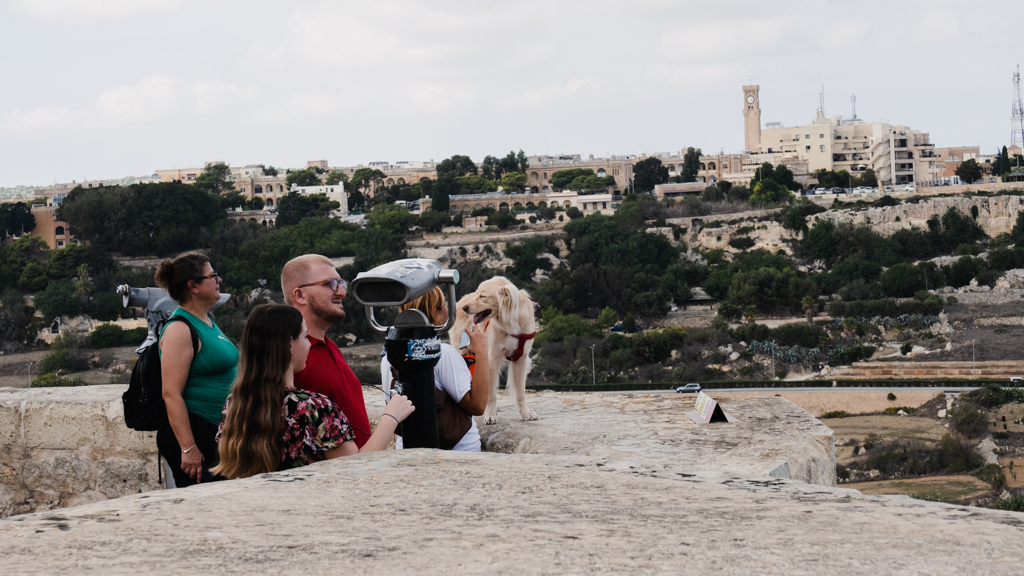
[821, 135]
[822, 147]
[808, 136]
[808, 148]
[797, 138]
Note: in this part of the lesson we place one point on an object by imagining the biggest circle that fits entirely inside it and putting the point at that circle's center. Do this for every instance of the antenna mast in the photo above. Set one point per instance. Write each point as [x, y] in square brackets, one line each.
[853, 103]
[1017, 116]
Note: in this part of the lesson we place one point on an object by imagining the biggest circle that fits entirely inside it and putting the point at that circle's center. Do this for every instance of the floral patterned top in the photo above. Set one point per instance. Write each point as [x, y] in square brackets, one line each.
[312, 425]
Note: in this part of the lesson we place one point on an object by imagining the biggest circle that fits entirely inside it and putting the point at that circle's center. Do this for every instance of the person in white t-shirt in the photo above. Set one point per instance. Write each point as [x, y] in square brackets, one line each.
[451, 374]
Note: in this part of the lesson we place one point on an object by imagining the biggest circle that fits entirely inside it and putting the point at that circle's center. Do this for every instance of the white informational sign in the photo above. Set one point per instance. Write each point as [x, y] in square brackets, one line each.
[707, 410]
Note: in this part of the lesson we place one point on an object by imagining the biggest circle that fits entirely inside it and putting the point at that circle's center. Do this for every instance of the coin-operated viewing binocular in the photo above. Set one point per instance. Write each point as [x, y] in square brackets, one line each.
[158, 305]
[413, 343]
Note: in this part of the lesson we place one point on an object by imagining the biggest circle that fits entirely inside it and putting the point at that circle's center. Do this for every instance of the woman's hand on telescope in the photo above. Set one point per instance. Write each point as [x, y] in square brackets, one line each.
[399, 408]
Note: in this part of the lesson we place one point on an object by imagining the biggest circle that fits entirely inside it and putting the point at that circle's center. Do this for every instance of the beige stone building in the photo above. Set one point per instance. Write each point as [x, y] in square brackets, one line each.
[54, 232]
[898, 154]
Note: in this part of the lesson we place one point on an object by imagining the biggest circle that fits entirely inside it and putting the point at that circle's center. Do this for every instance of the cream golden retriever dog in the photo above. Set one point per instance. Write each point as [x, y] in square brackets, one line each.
[507, 315]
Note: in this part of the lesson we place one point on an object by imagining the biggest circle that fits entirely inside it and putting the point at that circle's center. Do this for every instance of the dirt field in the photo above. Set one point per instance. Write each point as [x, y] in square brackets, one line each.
[14, 368]
[849, 401]
[856, 428]
[940, 488]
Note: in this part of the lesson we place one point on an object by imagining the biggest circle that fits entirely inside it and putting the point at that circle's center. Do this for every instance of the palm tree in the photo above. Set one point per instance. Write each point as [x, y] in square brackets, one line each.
[808, 304]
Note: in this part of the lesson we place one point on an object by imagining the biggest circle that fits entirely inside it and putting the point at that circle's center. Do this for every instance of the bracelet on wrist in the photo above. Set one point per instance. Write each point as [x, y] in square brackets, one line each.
[189, 449]
[397, 422]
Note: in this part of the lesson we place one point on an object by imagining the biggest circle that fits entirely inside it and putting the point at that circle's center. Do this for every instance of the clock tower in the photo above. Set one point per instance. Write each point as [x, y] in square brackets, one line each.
[751, 119]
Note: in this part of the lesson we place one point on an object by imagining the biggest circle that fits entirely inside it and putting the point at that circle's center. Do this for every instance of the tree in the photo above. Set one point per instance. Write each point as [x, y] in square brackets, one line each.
[294, 207]
[336, 177]
[154, 219]
[807, 302]
[59, 299]
[514, 181]
[868, 179]
[794, 217]
[649, 172]
[969, 171]
[16, 219]
[691, 164]
[434, 221]
[391, 218]
[821, 241]
[607, 318]
[303, 177]
[456, 166]
[1003, 166]
[902, 280]
[232, 200]
[214, 178]
[440, 198]
[502, 219]
[268, 170]
[712, 194]
[563, 179]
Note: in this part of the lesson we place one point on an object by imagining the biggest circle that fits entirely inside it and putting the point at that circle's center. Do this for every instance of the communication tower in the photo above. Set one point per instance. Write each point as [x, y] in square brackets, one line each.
[1017, 116]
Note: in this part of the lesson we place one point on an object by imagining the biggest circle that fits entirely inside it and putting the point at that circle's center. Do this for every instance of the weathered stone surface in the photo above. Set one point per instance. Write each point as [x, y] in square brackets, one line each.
[609, 484]
[61, 446]
[417, 511]
[771, 436]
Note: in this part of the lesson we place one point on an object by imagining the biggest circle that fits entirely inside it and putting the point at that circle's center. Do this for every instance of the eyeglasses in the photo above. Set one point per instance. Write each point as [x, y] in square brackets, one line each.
[202, 279]
[334, 284]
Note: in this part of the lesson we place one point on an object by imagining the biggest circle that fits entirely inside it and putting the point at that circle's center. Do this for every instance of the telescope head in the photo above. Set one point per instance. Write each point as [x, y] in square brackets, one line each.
[403, 281]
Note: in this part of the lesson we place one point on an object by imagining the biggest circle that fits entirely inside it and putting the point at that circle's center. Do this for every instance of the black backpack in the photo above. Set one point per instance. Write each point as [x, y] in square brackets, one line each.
[143, 402]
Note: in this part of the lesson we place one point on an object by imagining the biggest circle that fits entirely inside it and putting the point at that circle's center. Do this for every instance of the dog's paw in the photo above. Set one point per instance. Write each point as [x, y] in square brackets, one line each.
[490, 418]
[529, 415]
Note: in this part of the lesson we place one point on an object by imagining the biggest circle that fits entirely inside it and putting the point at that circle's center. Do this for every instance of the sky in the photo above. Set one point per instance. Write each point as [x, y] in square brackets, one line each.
[111, 88]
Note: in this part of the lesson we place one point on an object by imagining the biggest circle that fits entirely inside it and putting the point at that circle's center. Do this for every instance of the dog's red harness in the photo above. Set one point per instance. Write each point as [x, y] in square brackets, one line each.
[523, 338]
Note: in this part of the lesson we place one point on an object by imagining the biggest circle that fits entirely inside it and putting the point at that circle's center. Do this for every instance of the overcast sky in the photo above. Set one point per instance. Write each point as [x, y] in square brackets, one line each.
[111, 88]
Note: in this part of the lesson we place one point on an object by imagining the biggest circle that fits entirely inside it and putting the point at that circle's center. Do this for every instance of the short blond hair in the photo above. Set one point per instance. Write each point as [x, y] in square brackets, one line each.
[428, 303]
[296, 272]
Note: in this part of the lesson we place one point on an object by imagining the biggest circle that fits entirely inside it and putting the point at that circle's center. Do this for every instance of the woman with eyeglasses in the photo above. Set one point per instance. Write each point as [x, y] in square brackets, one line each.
[195, 385]
[268, 424]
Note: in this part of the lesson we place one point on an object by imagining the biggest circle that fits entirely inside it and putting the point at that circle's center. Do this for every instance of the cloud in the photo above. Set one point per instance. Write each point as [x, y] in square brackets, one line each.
[40, 120]
[92, 9]
[154, 97]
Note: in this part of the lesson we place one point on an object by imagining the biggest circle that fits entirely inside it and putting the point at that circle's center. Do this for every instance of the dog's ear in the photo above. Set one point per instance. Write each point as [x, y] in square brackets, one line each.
[508, 301]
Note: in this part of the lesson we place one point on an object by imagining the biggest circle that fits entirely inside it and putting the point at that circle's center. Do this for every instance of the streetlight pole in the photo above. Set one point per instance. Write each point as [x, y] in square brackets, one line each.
[593, 372]
[974, 359]
[773, 360]
[30, 374]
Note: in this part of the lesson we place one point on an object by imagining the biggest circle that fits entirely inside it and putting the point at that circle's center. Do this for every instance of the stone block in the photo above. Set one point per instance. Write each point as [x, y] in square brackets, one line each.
[65, 425]
[61, 473]
[116, 477]
[10, 420]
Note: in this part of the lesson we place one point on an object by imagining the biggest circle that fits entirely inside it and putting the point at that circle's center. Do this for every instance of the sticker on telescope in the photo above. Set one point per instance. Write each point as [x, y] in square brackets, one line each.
[424, 349]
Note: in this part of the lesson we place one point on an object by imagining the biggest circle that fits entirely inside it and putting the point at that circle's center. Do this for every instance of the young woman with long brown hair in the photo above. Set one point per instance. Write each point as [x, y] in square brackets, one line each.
[268, 424]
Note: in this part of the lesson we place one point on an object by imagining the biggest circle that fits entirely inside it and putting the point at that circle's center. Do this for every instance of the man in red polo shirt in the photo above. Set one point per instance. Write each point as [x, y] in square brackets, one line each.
[312, 286]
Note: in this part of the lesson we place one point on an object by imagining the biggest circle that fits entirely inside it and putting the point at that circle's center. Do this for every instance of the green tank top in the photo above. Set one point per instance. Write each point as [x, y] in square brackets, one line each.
[212, 371]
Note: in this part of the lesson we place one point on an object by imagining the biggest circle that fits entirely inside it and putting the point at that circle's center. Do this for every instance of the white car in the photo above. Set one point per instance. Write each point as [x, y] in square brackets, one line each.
[908, 188]
[889, 190]
[692, 387]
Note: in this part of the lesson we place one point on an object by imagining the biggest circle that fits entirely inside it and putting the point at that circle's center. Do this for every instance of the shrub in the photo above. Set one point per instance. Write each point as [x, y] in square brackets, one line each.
[107, 336]
[969, 420]
[1014, 503]
[741, 243]
[906, 347]
[890, 397]
[993, 395]
[871, 440]
[52, 380]
[992, 474]
[896, 409]
[958, 456]
[853, 354]
[842, 472]
[68, 360]
[835, 414]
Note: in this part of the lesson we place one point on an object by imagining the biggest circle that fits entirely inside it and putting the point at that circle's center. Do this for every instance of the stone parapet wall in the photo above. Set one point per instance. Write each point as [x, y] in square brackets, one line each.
[68, 446]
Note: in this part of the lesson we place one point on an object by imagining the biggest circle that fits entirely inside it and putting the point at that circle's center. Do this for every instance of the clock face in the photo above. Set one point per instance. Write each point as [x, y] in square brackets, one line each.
[750, 99]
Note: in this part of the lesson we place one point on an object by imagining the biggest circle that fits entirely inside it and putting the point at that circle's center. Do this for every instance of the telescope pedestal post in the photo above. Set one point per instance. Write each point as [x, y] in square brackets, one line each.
[413, 349]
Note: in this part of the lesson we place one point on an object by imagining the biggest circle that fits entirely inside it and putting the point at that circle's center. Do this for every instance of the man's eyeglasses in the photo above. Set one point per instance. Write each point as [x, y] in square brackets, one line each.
[334, 284]
[210, 275]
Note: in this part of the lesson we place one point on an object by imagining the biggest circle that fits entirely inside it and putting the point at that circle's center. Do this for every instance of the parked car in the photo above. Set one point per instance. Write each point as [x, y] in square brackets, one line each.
[691, 388]
[617, 327]
[838, 191]
[1016, 381]
[889, 190]
[908, 188]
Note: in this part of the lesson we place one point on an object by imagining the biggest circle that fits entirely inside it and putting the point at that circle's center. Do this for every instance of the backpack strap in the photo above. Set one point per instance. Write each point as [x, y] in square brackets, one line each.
[191, 330]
